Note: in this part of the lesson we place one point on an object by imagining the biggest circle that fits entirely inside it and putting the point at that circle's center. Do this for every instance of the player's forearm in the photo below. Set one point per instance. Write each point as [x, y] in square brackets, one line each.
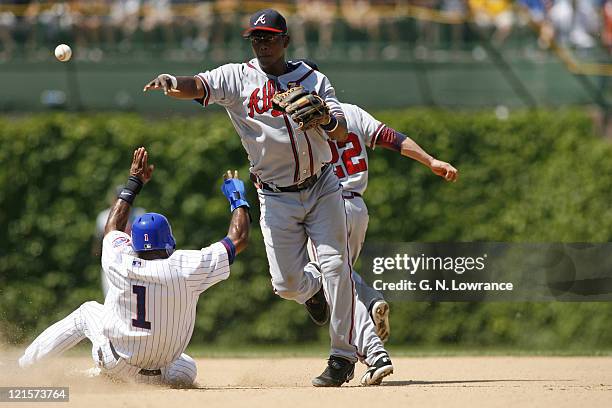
[410, 148]
[140, 173]
[239, 228]
[340, 132]
[188, 87]
[233, 189]
[391, 139]
[118, 217]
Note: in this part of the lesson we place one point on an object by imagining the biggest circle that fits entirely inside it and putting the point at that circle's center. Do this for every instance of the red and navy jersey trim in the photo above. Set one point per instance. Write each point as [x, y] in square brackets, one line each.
[206, 98]
[306, 75]
[390, 138]
[375, 135]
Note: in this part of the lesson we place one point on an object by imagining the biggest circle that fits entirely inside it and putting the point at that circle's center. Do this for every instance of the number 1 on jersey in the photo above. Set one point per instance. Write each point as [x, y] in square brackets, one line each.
[141, 308]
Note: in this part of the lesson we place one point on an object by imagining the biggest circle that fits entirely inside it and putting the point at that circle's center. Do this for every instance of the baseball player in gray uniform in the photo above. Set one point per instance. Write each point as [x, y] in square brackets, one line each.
[350, 160]
[146, 322]
[300, 197]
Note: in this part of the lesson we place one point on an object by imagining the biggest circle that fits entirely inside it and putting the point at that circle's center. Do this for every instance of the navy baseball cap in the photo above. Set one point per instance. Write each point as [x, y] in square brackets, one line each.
[266, 20]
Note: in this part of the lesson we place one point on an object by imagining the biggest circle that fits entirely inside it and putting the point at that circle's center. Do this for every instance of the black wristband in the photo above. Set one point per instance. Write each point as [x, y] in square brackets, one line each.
[134, 184]
[332, 125]
[127, 196]
[131, 189]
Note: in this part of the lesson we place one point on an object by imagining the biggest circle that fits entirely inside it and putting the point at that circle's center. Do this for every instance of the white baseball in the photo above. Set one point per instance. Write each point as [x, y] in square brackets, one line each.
[63, 52]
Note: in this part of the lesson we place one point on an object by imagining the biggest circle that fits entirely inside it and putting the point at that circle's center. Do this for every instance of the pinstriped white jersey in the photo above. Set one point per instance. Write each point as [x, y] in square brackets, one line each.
[151, 305]
[350, 158]
[279, 153]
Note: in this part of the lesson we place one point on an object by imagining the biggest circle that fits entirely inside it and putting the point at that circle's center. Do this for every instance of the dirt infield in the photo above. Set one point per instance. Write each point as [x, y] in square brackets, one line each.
[424, 381]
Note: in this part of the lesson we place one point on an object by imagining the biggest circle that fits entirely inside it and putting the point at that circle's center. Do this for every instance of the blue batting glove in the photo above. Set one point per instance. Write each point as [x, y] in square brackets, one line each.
[234, 191]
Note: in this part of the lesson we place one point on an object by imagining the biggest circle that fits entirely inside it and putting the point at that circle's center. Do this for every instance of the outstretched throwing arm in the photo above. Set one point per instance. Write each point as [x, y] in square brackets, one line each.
[181, 87]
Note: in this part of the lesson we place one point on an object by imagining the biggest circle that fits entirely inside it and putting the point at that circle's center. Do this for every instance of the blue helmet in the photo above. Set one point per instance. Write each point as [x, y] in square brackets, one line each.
[152, 231]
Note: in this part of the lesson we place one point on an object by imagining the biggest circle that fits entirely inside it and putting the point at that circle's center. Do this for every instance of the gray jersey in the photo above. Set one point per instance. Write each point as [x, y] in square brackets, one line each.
[151, 305]
[350, 157]
[279, 153]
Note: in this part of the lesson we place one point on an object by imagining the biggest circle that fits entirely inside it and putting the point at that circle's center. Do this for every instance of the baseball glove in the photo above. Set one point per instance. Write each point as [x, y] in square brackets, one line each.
[306, 109]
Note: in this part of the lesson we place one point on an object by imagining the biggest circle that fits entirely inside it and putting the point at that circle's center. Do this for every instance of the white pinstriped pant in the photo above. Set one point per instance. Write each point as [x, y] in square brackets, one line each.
[85, 322]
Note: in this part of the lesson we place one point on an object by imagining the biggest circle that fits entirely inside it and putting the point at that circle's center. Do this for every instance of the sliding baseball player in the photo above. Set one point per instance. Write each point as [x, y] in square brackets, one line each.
[144, 326]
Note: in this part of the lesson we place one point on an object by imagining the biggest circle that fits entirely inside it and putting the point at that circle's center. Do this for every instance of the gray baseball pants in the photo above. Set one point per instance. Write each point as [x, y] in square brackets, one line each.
[368, 343]
[287, 221]
[358, 218]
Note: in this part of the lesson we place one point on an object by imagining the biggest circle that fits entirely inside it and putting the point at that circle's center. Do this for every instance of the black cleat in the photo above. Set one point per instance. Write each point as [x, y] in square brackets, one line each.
[317, 308]
[339, 370]
[381, 368]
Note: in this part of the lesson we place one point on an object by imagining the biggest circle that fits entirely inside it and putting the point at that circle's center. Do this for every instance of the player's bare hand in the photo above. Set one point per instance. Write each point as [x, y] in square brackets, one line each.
[168, 83]
[228, 175]
[140, 165]
[445, 170]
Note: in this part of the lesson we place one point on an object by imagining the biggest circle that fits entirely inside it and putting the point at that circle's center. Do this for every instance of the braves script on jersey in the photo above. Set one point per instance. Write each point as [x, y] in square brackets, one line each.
[350, 158]
[151, 305]
[279, 153]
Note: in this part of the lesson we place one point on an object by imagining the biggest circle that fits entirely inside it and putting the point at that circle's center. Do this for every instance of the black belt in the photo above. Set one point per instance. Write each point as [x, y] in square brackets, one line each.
[350, 194]
[309, 182]
[149, 373]
[143, 371]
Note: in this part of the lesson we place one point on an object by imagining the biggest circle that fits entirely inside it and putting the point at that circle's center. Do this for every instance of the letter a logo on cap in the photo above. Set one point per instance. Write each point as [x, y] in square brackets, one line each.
[146, 237]
[261, 19]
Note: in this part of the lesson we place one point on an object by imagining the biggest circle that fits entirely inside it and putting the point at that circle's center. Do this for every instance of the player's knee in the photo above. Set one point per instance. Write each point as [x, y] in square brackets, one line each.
[287, 288]
[333, 265]
[181, 380]
[89, 306]
[81, 311]
[181, 373]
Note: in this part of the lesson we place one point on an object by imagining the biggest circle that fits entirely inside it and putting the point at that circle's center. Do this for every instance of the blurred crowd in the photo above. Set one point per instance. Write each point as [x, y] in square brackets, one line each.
[581, 24]
[212, 27]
